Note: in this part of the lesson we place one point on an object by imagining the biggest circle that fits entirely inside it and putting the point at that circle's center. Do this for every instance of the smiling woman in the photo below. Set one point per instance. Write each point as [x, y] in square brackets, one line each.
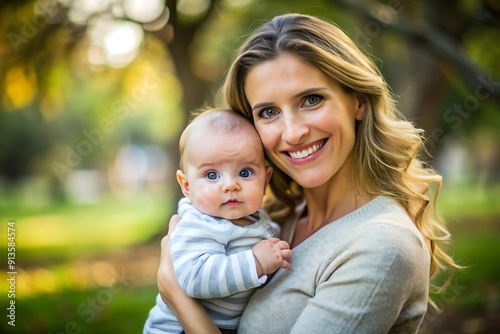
[349, 189]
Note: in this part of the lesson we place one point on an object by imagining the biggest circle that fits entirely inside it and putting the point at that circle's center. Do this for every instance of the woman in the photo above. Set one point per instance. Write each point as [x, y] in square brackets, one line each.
[365, 243]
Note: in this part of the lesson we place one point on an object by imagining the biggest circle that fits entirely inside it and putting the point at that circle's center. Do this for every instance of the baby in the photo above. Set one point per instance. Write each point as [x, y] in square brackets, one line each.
[224, 245]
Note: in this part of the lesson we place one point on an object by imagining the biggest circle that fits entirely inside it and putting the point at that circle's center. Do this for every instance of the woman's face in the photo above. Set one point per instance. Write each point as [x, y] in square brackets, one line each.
[304, 118]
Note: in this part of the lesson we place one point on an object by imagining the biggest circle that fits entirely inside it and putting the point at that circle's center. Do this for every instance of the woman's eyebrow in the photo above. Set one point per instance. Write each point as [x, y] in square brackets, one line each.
[309, 91]
[261, 105]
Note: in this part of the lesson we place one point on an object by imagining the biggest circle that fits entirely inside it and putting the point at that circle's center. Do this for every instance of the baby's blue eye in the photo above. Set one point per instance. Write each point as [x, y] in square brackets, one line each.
[212, 175]
[246, 173]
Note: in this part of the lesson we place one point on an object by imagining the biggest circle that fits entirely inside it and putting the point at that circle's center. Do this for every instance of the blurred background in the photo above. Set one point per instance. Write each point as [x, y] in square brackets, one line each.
[94, 94]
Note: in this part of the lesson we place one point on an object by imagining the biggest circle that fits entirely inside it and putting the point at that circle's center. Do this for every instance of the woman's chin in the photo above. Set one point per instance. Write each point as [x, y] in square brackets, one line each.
[310, 181]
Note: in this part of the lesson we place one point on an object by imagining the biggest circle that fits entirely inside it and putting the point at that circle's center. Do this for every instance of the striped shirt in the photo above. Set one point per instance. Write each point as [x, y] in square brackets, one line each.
[213, 261]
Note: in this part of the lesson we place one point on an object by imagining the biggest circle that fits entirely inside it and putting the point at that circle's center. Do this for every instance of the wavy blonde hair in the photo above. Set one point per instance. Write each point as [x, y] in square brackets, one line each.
[387, 147]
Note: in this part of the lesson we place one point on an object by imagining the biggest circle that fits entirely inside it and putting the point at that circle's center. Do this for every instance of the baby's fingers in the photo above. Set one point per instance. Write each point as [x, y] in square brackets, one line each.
[286, 265]
[286, 254]
[282, 244]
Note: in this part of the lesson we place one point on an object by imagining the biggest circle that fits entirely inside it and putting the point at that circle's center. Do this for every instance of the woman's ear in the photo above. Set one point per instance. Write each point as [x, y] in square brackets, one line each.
[360, 111]
[183, 182]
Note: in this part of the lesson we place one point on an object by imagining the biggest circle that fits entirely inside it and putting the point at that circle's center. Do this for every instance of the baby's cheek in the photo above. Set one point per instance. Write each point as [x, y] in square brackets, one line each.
[207, 201]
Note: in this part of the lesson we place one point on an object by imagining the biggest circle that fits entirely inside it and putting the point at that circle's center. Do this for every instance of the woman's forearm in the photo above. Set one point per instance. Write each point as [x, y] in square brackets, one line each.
[188, 311]
[192, 316]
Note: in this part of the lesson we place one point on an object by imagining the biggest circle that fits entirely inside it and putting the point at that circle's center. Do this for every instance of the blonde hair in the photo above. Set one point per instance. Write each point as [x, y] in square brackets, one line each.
[387, 146]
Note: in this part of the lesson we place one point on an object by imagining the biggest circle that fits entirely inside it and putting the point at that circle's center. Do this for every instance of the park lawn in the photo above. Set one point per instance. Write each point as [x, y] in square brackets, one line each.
[473, 217]
[67, 230]
[91, 311]
[63, 254]
[477, 286]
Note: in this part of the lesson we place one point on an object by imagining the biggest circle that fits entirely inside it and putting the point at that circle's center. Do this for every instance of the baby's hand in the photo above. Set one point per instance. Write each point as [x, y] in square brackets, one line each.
[271, 255]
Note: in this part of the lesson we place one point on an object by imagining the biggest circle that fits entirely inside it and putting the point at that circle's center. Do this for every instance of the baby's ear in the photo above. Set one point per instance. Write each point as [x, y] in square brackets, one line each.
[269, 173]
[183, 182]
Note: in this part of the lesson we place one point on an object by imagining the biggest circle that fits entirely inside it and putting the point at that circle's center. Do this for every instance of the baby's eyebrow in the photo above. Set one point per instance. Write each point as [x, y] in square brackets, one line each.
[205, 165]
[254, 164]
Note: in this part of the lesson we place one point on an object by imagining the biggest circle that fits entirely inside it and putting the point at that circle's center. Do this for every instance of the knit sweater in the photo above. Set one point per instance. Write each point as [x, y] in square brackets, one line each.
[367, 272]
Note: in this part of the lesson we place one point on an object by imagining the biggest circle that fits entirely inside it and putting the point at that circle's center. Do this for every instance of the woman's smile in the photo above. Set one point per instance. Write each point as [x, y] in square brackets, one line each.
[303, 153]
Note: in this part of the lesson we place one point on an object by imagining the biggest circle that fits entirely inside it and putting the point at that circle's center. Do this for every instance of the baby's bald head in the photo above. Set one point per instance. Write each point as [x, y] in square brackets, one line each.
[215, 122]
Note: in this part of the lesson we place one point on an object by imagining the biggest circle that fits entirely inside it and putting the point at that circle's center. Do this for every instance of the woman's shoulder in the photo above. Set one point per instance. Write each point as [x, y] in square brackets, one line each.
[386, 224]
[380, 214]
[391, 223]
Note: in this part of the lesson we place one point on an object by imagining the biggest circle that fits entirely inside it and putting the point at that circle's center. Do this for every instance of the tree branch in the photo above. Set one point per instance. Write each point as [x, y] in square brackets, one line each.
[437, 42]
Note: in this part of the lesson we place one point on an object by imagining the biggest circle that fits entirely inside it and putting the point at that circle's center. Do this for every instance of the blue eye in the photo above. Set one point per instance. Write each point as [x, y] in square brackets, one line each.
[212, 175]
[312, 100]
[244, 173]
[268, 113]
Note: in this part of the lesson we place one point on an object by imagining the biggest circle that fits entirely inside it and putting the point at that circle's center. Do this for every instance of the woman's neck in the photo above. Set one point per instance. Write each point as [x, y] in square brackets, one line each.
[334, 199]
[323, 209]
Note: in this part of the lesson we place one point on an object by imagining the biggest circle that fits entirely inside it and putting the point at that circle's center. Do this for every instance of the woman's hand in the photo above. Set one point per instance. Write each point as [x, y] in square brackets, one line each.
[189, 312]
[167, 281]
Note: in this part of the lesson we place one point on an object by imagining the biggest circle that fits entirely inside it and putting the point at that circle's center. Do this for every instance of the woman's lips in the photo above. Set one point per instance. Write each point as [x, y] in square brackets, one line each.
[306, 152]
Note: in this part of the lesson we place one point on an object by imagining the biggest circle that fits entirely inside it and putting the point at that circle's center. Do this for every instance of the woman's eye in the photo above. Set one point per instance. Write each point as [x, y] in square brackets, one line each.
[312, 100]
[246, 173]
[212, 175]
[268, 113]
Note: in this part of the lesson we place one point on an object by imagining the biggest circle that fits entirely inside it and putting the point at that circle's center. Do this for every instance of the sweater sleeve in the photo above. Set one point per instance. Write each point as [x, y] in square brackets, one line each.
[366, 287]
[202, 266]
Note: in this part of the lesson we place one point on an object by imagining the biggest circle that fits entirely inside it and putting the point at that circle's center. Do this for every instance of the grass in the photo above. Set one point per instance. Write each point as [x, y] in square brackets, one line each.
[66, 281]
[473, 218]
[91, 311]
[67, 230]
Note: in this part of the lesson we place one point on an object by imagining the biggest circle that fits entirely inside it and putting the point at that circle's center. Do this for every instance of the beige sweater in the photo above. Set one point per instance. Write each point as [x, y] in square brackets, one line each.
[367, 272]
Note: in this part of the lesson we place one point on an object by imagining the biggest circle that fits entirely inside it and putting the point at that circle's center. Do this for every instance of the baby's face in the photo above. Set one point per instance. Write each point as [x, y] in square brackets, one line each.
[224, 173]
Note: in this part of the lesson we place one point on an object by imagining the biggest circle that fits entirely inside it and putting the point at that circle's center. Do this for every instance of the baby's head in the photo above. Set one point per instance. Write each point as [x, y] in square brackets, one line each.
[223, 170]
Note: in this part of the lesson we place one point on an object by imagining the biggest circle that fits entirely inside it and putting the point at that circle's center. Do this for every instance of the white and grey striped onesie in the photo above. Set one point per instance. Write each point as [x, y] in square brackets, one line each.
[213, 261]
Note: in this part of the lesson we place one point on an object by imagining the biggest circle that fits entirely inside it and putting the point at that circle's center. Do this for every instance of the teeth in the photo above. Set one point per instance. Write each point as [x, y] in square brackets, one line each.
[305, 153]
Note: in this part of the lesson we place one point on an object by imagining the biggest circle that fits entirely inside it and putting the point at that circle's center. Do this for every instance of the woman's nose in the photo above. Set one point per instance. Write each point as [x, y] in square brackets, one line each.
[294, 128]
